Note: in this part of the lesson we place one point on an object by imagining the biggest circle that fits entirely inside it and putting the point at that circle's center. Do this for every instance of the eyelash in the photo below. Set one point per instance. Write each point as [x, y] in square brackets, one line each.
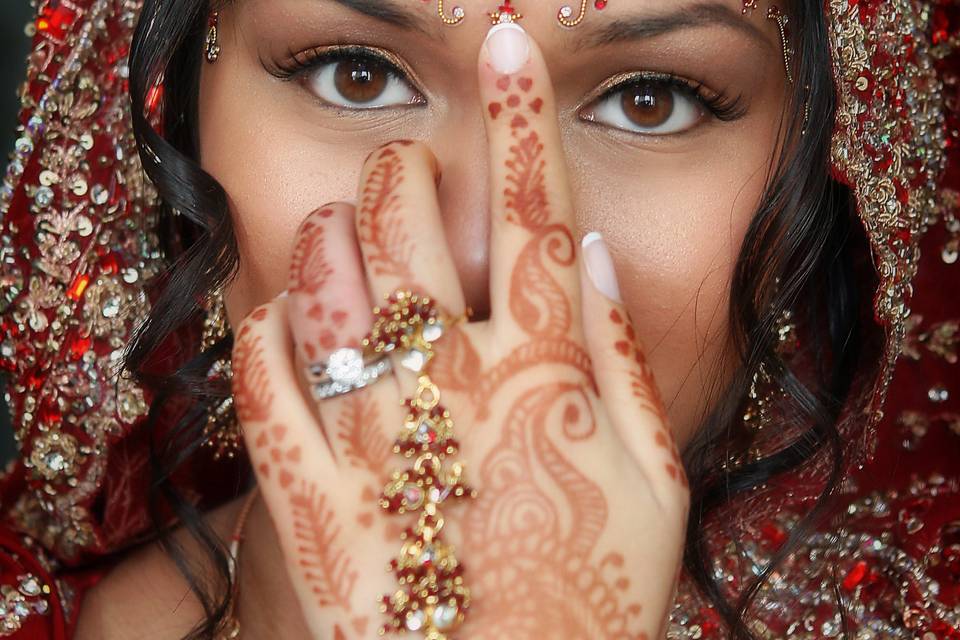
[722, 106]
[298, 64]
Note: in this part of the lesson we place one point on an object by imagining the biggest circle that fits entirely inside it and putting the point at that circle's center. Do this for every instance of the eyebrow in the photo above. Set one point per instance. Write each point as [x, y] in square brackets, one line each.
[701, 14]
[389, 11]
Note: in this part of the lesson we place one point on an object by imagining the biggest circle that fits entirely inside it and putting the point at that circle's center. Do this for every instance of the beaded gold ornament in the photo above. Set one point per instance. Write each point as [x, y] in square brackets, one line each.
[568, 18]
[456, 16]
[432, 597]
[505, 13]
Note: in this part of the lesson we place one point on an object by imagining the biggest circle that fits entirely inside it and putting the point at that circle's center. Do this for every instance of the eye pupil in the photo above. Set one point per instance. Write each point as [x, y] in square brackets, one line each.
[361, 81]
[647, 104]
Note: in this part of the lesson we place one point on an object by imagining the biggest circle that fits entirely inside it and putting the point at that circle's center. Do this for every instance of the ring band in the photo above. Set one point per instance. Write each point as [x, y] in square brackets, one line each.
[345, 371]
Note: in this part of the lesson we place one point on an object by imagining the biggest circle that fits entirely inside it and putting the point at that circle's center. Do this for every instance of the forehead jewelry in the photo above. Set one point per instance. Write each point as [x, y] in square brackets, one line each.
[505, 13]
[456, 14]
[782, 19]
[566, 15]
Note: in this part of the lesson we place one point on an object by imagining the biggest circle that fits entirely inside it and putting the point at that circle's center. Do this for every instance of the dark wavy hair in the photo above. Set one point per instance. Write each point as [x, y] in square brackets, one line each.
[798, 255]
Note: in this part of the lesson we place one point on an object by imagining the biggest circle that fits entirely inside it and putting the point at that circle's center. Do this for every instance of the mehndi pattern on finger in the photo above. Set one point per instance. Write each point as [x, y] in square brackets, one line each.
[432, 597]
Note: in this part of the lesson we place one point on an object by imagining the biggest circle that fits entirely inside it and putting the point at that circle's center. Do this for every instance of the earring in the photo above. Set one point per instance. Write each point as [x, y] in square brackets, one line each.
[566, 17]
[764, 392]
[222, 430]
[212, 43]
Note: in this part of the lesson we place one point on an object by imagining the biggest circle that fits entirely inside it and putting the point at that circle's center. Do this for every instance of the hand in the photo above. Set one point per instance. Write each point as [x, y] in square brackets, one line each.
[577, 528]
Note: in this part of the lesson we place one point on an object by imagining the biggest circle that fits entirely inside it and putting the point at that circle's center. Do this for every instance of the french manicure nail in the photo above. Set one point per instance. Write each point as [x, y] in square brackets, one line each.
[596, 257]
[508, 47]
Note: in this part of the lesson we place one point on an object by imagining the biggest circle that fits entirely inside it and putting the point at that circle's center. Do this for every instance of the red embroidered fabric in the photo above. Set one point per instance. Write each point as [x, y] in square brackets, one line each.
[78, 242]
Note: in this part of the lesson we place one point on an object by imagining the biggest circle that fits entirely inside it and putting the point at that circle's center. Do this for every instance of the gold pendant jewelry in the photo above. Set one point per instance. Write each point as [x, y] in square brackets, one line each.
[212, 42]
[432, 597]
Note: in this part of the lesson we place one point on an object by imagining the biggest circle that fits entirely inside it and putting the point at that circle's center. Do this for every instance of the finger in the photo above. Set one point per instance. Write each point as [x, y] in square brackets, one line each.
[534, 284]
[330, 309]
[279, 429]
[400, 228]
[624, 378]
[301, 485]
[329, 303]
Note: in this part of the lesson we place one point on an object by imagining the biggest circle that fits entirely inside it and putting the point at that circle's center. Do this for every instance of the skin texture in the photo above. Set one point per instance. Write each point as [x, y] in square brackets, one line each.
[568, 437]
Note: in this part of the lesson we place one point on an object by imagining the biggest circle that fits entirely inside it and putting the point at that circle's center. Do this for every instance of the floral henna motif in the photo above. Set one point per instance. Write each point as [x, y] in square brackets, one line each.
[537, 302]
[380, 226]
[526, 198]
[529, 354]
[516, 532]
[279, 455]
[359, 428]
[645, 389]
[326, 565]
[251, 384]
[309, 268]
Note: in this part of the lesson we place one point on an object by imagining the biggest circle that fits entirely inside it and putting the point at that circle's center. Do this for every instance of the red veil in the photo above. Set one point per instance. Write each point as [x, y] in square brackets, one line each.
[78, 243]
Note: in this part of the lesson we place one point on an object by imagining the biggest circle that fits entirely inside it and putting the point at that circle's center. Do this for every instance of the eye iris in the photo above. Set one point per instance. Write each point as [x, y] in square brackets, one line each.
[360, 81]
[648, 105]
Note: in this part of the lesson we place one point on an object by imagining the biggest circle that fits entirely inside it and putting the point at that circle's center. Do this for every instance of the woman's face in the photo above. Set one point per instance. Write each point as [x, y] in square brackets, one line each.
[670, 111]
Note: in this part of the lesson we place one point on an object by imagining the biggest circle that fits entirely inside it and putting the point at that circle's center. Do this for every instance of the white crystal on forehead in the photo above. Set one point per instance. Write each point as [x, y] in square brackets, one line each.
[458, 12]
[345, 366]
[566, 11]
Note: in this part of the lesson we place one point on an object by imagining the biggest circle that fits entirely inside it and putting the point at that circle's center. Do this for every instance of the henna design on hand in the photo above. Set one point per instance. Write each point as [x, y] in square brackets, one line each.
[327, 567]
[272, 440]
[458, 366]
[367, 447]
[527, 355]
[537, 302]
[309, 268]
[386, 244]
[251, 385]
[533, 562]
[645, 389]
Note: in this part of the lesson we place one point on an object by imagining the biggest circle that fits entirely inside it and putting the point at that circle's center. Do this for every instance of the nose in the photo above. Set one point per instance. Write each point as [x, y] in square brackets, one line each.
[461, 149]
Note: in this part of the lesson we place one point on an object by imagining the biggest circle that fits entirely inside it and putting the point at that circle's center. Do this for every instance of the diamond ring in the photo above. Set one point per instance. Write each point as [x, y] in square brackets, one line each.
[345, 371]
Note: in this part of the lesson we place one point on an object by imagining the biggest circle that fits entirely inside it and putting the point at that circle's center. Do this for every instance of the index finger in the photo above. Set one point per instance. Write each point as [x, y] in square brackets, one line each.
[534, 281]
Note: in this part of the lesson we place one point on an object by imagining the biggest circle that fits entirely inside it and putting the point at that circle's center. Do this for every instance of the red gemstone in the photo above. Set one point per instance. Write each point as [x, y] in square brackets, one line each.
[79, 346]
[110, 264]
[50, 416]
[79, 286]
[773, 535]
[55, 19]
[855, 575]
[600, 4]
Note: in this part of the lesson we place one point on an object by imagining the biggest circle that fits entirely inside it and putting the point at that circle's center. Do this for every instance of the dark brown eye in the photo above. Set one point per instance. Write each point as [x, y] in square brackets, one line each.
[353, 81]
[361, 81]
[648, 104]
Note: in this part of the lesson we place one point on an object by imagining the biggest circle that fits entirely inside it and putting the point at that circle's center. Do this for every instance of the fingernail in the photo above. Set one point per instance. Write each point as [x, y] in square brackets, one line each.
[508, 47]
[283, 294]
[599, 265]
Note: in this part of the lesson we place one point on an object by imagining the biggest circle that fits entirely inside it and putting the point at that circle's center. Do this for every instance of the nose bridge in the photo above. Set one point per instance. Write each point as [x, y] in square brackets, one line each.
[461, 148]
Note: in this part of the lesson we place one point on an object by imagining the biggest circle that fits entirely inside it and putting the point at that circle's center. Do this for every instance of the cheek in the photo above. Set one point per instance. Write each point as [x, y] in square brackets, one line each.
[675, 239]
[274, 176]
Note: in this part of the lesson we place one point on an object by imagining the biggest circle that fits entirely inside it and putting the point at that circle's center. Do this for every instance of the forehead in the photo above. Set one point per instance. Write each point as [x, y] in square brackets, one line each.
[568, 24]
